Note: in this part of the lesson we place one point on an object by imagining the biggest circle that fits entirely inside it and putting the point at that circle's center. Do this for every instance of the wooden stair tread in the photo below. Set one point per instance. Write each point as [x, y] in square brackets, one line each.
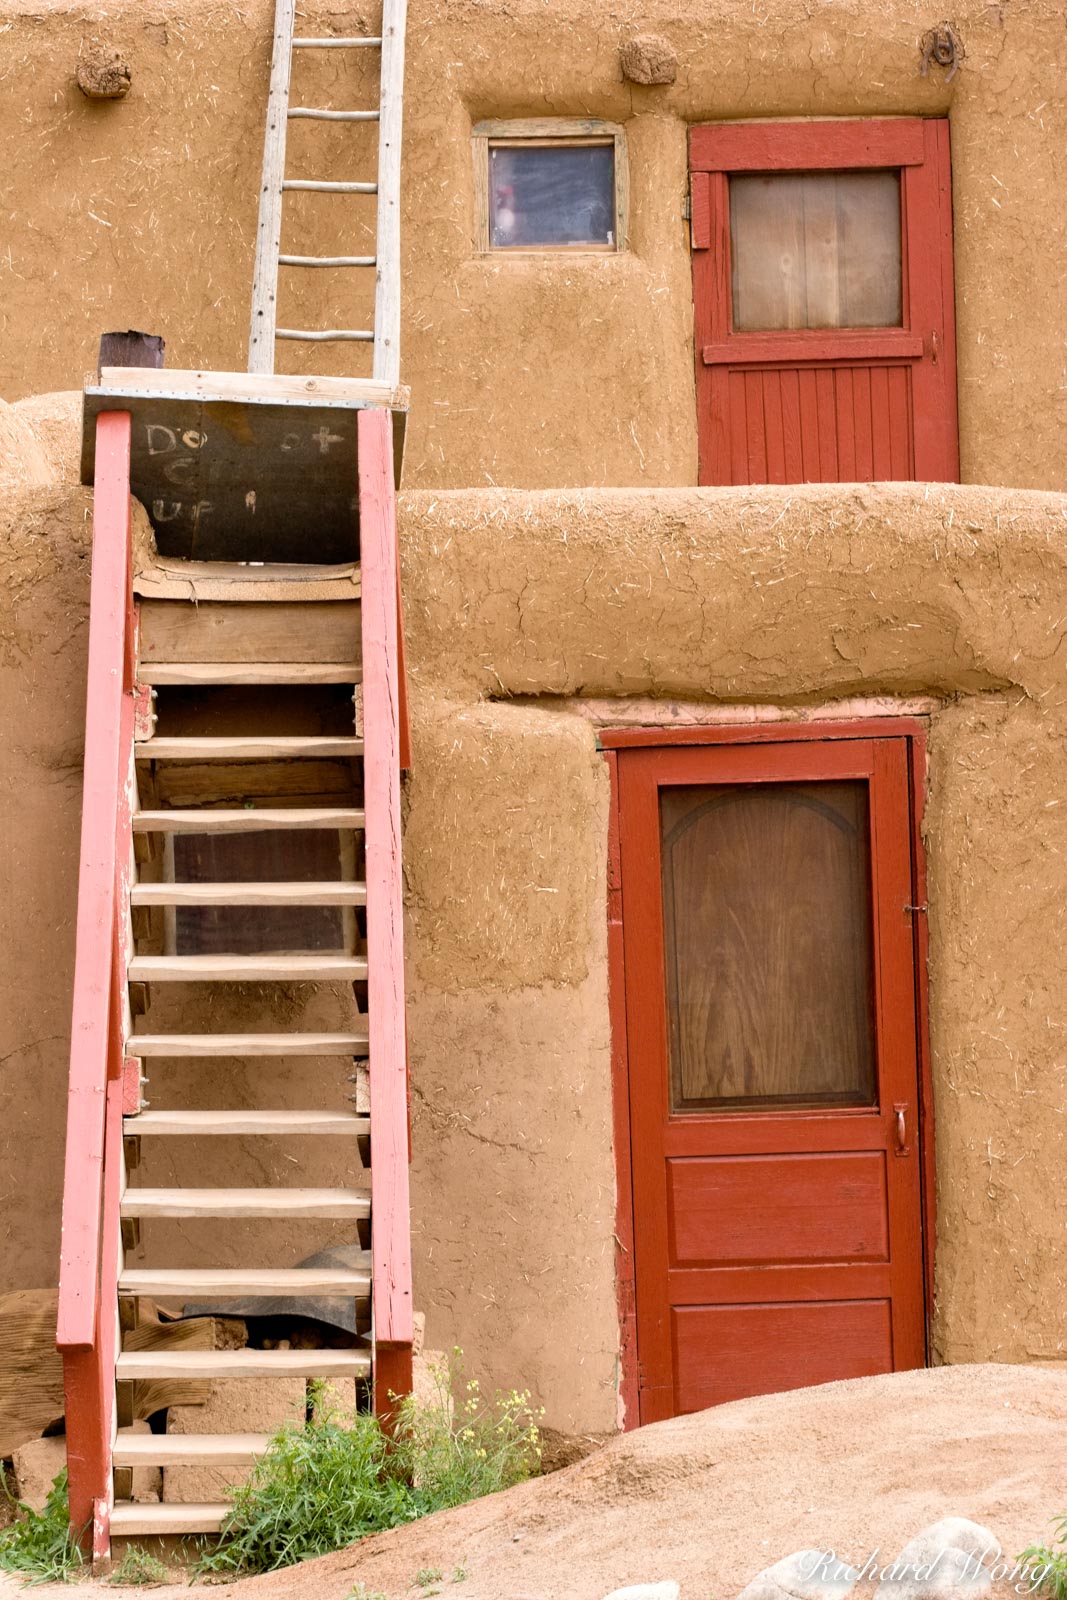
[161, 673]
[247, 1044]
[195, 1283]
[172, 1517]
[239, 1122]
[133, 1364]
[188, 1449]
[248, 894]
[249, 819]
[220, 748]
[275, 968]
[261, 1202]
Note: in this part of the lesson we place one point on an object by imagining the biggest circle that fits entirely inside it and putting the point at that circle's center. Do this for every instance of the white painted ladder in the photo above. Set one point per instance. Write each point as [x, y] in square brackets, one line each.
[385, 335]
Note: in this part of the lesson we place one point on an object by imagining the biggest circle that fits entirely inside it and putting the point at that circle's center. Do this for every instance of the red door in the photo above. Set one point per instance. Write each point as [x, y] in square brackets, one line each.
[770, 986]
[822, 279]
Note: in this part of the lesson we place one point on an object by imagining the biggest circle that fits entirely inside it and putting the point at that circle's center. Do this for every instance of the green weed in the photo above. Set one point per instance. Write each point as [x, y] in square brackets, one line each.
[40, 1545]
[428, 1576]
[1050, 1562]
[339, 1478]
[138, 1568]
[358, 1592]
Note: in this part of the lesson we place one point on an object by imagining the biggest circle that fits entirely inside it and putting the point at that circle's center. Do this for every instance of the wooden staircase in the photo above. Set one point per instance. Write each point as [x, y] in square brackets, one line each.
[167, 782]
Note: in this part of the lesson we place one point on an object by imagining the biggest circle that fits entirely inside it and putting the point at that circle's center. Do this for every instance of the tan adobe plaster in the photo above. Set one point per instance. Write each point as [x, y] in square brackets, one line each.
[537, 372]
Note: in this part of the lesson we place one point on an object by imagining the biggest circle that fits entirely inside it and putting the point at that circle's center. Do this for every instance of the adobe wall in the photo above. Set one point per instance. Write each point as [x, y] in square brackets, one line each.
[517, 604]
[536, 372]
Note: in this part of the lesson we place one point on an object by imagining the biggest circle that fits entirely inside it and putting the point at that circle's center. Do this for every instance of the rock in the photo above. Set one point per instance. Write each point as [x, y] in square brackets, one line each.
[646, 1591]
[805, 1575]
[950, 1560]
[36, 1465]
[240, 1405]
[103, 75]
[647, 58]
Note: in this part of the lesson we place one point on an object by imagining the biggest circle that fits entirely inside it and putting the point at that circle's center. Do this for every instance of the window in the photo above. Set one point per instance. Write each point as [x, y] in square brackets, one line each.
[550, 184]
[815, 250]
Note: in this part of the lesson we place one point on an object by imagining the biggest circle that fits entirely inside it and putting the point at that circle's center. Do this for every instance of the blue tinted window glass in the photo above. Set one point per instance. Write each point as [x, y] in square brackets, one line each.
[551, 195]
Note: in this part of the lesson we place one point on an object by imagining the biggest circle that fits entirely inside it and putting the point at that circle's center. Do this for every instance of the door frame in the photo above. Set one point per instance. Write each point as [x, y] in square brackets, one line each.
[611, 742]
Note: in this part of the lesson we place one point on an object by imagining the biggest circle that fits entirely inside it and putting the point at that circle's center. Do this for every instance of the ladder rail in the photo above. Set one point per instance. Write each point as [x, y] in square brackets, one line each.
[92, 1180]
[387, 247]
[390, 1186]
[269, 231]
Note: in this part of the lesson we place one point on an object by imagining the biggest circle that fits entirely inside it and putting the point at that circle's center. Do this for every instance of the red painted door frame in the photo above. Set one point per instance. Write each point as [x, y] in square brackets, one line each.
[912, 733]
[822, 433]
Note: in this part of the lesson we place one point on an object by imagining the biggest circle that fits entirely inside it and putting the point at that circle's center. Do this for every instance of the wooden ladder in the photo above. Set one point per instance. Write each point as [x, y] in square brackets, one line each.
[126, 887]
[388, 114]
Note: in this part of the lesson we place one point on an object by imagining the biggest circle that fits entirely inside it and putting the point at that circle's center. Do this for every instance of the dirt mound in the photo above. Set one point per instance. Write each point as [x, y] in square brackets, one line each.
[710, 1499]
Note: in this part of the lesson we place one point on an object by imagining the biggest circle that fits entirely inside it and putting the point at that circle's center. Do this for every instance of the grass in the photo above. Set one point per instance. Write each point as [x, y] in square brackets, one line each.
[138, 1569]
[1049, 1563]
[340, 1478]
[40, 1546]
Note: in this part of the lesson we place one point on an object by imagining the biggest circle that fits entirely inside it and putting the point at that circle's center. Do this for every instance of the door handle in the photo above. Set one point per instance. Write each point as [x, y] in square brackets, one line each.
[900, 1127]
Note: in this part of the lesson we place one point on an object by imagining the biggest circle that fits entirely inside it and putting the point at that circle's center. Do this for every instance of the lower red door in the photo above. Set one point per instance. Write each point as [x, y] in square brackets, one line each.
[773, 1066]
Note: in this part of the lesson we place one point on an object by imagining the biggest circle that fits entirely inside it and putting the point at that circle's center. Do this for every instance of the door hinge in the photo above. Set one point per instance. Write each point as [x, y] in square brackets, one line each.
[687, 207]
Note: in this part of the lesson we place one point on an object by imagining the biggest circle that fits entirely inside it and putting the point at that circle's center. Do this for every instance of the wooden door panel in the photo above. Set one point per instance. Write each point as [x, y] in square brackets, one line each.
[744, 1210]
[780, 401]
[730, 1352]
[849, 1280]
[833, 424]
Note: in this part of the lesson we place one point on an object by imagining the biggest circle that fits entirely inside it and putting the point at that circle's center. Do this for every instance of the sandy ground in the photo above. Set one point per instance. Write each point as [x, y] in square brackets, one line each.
[710, 1499]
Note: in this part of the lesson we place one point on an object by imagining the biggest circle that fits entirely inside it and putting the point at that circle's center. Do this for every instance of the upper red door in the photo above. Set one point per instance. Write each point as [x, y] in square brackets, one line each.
[822, 279]
[770, 986]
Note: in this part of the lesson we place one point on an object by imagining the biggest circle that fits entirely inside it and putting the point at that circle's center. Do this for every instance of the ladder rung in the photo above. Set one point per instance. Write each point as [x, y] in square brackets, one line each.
[248, 894]
[245, 672]
[239, 1045]
[135, 1364]
[373, 41]
[245, 749]
[132, 1517]
[188, 1449]
[249, 819]
[308, 336]
[245, 1203]
[318, 115]
[227, 1123]
[206, 1283]
[314, 186]
[327, 261]
[280, 968]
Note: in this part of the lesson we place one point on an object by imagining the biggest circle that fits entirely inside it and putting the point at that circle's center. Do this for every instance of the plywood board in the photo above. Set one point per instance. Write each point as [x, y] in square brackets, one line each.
[174, 630]
[248, 479]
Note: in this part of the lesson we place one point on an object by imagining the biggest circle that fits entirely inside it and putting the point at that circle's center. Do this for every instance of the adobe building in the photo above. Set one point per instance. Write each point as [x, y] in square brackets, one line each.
[734, 543]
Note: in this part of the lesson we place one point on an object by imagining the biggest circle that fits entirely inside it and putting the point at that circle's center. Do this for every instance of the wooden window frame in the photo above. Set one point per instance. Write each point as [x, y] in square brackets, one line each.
[614, 740]
[547, 132]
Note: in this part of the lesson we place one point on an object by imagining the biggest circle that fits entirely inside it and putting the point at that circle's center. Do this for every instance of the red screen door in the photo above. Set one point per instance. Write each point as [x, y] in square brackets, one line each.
[773, 1066]
[822, 280]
